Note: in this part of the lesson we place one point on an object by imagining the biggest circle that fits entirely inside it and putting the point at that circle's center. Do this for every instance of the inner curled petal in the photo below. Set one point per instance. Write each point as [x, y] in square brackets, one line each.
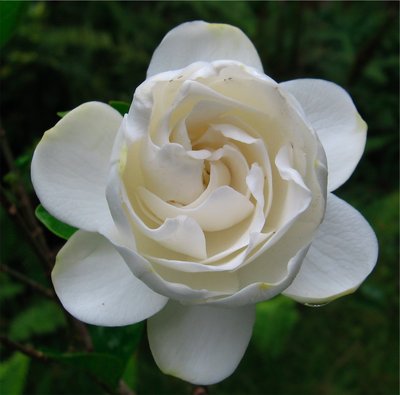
[222, 209]
[170, 173]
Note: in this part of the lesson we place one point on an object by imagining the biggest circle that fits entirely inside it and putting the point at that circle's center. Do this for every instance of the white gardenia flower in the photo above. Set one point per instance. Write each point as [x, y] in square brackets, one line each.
[212, 194]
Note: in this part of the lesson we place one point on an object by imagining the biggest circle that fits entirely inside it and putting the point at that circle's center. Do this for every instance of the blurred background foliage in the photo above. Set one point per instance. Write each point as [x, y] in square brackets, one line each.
[56, 55]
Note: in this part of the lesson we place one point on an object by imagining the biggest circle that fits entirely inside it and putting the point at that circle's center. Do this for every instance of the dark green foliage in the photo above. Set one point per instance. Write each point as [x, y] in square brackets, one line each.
[120, 106]
[62, 54]
[105, 367]
[13, 373]
[10, 12]
[120, 341]
[9, 289]
[41, 318]
[275, 321]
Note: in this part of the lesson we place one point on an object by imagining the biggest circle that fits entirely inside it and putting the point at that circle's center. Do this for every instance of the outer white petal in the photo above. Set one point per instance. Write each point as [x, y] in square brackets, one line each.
[178, 285]
[201, 344]
[339, 126]
[264, 289]
[341, 256]
[70, 166]
[200, 41]
[96, 286]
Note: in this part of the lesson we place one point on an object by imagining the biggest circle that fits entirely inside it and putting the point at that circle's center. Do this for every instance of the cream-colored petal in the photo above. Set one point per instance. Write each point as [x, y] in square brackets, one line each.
[298, 196]
[233, 132]
[171, 174]
[222, 209]
[238, 168]
[221, 246]
[181, 234]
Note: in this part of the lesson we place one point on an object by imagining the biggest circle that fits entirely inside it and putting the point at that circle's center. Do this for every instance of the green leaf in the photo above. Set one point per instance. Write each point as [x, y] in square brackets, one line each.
[62, 113]
[9, 289]
[13, 374]
[121, 106]
[120, 341]
[10, 12]
[106, 368]
[53, 224]
[40, 319]
[275, 321]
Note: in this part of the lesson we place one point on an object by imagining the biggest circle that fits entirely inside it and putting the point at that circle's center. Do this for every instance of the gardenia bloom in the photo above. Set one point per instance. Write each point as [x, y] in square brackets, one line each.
[212, 194]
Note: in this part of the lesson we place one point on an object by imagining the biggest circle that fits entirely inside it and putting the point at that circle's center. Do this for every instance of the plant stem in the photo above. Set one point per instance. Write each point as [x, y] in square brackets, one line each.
[81, 332]
[200, 390]
[24, 279]
[366, 52]
[40, 356]
[123, 389]
[27, 350]
[46, 258]
[27, 213]
[24, 216]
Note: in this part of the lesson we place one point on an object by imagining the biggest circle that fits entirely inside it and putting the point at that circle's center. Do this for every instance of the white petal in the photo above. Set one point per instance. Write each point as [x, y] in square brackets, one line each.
[201, 344]
[96, 286]
[238, 168]
[181, 234]
[70, 166]
[334, 117]
[177, 284]
[172, 174]
[271, 280]
[180, 136]
[341, 256]
[223, 244]
[245, 234]
[188, 240]
[298, 196]
[200, 41]
[119, 161]
[222, 209]
[235, 133]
